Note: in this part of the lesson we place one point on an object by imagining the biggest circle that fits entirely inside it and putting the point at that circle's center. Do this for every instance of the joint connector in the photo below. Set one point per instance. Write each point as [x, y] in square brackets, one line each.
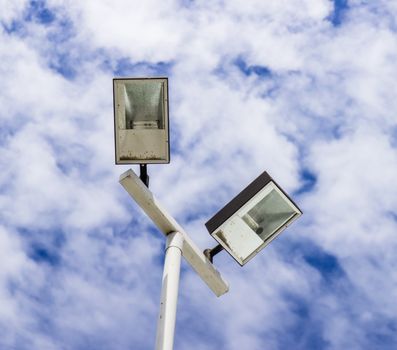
[175, 239]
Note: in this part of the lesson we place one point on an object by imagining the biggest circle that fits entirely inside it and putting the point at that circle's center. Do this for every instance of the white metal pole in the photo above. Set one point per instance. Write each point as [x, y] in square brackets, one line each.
[169, 292]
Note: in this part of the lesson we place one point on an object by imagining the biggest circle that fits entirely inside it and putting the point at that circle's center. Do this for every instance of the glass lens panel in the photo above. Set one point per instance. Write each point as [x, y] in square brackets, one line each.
[268, 215]
[144, 105]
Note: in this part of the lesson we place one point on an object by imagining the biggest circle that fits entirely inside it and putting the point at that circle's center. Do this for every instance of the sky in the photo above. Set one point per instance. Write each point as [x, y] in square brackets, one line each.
[302, 89]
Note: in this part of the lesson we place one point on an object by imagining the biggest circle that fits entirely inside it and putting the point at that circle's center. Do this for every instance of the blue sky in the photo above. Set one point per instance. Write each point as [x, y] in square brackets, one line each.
[302, 89]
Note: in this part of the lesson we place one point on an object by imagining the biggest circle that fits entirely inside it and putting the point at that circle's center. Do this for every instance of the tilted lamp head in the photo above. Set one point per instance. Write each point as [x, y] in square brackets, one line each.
[251, 220]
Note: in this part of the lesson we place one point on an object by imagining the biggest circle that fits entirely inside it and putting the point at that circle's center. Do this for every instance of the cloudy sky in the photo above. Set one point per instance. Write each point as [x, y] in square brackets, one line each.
[303, 89]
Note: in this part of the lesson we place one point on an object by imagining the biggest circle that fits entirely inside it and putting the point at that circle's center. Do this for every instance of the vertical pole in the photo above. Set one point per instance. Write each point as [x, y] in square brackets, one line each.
[169, 292]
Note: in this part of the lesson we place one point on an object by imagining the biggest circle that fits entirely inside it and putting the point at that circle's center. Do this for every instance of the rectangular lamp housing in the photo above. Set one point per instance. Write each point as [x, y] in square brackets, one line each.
[251, 220]
[141, 120]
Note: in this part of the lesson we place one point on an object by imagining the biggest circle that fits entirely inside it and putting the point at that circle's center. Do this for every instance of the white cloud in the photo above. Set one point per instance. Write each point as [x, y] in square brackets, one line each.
[325, 103]
[11, 9]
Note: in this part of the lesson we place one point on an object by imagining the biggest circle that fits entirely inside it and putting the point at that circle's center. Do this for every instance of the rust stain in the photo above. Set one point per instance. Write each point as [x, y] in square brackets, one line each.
[139, 158]
[222, 237]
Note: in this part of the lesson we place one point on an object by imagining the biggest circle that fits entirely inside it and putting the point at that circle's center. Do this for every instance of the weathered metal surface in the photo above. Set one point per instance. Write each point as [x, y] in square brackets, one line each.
[141, 120]
[167, 224]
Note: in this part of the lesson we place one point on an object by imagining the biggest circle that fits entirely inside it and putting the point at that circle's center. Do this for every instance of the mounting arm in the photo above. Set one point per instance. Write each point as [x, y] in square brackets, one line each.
[143, 174]
[210, 253]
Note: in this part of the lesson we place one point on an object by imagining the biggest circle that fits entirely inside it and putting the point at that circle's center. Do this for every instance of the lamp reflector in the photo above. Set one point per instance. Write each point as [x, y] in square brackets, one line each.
[141, 120]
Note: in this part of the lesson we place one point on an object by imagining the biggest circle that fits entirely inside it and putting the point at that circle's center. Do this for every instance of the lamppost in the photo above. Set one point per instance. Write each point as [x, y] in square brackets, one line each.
[243, 227]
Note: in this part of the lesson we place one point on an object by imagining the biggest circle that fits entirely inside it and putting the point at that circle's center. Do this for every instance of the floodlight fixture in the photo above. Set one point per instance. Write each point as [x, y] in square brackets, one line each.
[141, 120]
[251, 220]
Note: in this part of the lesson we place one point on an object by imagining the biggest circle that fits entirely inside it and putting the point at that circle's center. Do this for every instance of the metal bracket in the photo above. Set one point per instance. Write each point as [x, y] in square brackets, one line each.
[166, 224]
[143, 174]
[210, 253]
